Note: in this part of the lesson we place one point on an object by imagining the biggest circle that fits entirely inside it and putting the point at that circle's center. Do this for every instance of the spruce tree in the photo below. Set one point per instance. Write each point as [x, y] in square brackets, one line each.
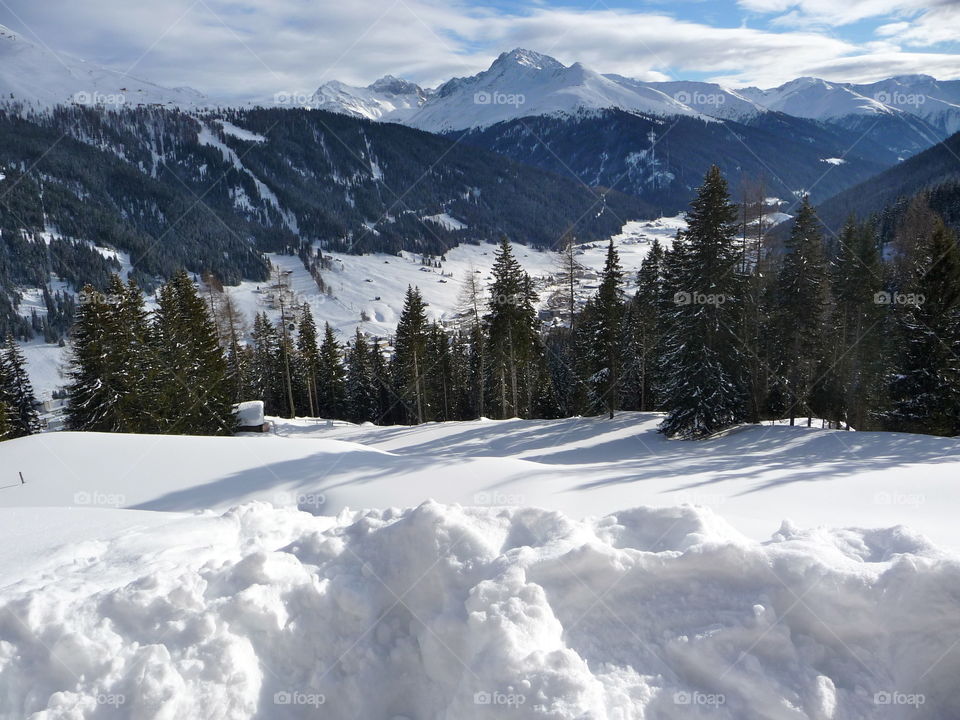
[605, 335]
[802, 296]
[641, 387]
[265, 371]
[361, 392]
[195, 395]
[704, 385]
[309, 355]
[410, 361]
[850, 389]
[114, 381]
[382, 388]
[925, 389]
[514, 345]
[16, 391]
[6, 421]
[331, 377]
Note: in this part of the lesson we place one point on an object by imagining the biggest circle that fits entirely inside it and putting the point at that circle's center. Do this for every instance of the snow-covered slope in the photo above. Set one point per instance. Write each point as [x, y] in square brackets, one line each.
[523, 83]
[37, 77]
[388, 98]
[755, 477]
[936, 101]
[423, 609]
[817, 99]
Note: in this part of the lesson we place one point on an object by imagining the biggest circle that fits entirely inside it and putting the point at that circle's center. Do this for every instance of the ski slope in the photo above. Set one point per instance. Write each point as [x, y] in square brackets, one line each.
[541, 569]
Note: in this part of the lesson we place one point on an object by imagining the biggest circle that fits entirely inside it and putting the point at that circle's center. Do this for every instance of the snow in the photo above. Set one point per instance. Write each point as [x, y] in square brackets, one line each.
[205, 601]
[40, 78]
[446, 221]
[374, 285]
[250, 413]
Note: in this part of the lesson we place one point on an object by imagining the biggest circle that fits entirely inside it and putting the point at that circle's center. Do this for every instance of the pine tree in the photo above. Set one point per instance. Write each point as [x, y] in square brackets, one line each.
[309, 354]
[16, 391]
[114, 375]
[195, 393]
[438, 378]
[704, 387]
[410, 361]
[6, 421]
[265, 373]
[361, 400]
[802, 296]
[515, 349]
[382, 388]
[641, 345]
[925, 389]
[849, 390]
[331, 377]
[605, 336]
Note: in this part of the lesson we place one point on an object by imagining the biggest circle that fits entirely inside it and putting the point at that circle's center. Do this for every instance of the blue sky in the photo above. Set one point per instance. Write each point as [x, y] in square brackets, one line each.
[244, 47]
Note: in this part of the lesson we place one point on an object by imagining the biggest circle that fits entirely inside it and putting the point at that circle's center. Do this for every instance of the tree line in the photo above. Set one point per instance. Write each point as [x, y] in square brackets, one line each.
[723, 328]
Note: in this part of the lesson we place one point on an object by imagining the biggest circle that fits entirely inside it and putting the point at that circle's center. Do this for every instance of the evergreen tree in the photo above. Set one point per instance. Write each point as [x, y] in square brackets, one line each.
[16, 391]
[6, 421]
[331, 377]
[850, 387]
[114, 375]
[802, 296]
[410, 361]
[925, 389]
[265, 373]
[704, 386]
[383, 395]
[195, 394]
[641, 388]
[515, 349]
[309, 354]
[438, 378]
[361, 392]
[605, 336]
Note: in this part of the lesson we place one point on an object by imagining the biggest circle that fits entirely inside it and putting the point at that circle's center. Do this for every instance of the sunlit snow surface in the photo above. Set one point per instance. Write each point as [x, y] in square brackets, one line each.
[527, 587]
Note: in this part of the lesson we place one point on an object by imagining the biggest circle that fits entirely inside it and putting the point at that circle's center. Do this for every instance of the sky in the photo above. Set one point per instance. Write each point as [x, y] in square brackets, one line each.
[244, 48]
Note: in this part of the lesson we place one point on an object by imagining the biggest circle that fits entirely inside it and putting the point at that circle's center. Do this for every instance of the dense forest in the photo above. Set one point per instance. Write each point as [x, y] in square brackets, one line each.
[722, 329]
[82, 188]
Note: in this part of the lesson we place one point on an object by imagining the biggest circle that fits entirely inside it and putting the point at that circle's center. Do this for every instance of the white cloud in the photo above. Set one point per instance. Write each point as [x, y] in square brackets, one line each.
[255, 48]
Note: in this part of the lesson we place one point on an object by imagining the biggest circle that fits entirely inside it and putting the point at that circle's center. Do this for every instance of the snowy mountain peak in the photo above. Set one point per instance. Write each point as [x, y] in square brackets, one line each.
[528, 59]
[395, 85]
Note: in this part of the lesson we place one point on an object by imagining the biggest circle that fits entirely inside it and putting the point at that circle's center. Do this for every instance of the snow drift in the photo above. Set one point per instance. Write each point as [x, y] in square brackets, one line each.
[452, 612]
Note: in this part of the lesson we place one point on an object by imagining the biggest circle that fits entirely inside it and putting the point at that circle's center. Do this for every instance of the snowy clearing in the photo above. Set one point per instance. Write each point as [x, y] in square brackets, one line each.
[145, 576]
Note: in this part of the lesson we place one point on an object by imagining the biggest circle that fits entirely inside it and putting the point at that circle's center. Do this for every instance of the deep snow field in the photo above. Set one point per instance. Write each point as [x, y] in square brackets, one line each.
[580, 568]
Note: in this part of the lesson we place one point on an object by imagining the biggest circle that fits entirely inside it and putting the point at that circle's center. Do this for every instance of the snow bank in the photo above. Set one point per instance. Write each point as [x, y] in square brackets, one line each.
[450, 612]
